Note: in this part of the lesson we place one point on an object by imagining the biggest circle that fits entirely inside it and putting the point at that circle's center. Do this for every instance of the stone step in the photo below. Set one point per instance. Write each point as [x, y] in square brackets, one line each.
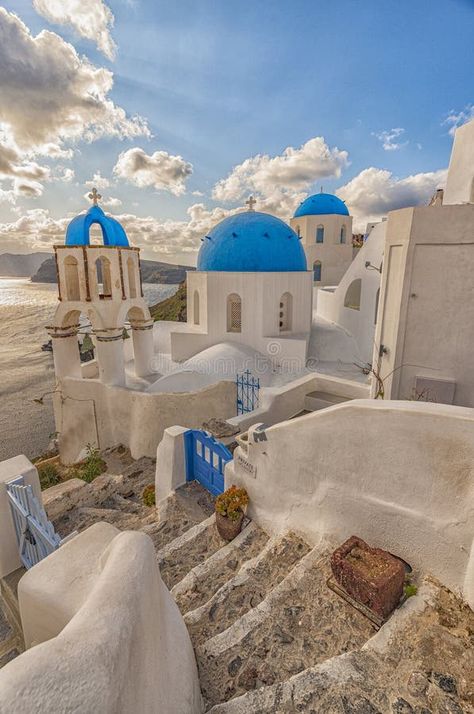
[185, 508]
[203, 581]
[321, 400]
[184, 553]
[301, 623]
[246, 589]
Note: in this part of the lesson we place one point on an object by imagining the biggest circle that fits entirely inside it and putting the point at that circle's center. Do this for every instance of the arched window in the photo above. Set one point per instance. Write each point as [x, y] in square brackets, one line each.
[196, 307]
[320, 234]
[377, 296]
[234, 313]
[352, 297]
[132, 283]
[104, 280]
[472, 190]
[286, 312]
[298, 231]
[342, 238]
[72, 278]
[317, 271]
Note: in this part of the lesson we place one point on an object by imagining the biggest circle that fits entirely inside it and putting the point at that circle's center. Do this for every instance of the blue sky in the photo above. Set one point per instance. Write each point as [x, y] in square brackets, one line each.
[221, 82]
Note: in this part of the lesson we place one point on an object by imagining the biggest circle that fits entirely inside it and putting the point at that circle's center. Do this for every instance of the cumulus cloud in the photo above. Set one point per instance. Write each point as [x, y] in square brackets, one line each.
[280, 181]
[98, 181]
[51, 95]
[91, 19]
[389, 139]
[456, 119]
[160, 170]
[372, 193]
[169, 239]
[64, 174]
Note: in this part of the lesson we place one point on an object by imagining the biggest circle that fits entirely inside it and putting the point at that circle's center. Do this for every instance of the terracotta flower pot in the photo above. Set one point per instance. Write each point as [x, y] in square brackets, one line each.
[229, 529]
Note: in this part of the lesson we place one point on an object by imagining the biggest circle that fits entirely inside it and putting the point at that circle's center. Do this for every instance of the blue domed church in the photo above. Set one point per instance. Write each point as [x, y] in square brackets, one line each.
[252, 286]
[325, 227]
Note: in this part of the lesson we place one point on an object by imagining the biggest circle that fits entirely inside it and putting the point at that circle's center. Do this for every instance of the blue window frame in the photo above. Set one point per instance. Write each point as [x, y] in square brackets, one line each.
[320, 234]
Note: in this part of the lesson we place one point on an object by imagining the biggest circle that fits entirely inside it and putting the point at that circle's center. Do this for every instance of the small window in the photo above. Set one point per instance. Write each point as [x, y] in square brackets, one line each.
[342, 238]
[285, 312]
[104, 279]
[317, 271]
[352, 298]
[234, 313]
[72, 278]
[132, 284]
[196, 307]
[320, 234]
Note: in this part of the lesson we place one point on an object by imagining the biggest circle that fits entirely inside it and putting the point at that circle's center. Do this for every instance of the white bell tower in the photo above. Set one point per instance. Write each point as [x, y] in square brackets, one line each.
[103, 283]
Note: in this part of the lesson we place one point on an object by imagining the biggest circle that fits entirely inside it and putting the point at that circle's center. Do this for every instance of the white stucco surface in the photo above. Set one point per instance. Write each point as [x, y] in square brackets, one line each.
[401, 478]
[460, 180]
[122, 645]
[88, 411]
[358, 323]
[426, 302]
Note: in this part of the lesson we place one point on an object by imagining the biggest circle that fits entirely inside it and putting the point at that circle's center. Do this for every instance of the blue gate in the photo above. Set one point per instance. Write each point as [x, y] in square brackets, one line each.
[35, 534]
[205, 460]
[248, 388]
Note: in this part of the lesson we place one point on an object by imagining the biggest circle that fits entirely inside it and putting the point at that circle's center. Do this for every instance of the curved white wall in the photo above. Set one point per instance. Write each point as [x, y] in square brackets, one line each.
[360, 323]
[122, 645]
[398, 474]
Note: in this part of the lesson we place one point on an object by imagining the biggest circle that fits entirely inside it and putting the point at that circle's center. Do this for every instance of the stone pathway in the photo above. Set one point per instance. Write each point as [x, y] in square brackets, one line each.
[269, 635]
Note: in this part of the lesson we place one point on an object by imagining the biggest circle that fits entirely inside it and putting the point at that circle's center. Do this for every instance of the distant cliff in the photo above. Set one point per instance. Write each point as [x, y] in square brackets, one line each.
[152, 272]
[13, 265]
[173, 308]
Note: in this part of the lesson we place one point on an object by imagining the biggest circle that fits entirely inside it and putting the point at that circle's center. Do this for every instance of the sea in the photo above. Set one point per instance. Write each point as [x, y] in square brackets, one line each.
[27, 373]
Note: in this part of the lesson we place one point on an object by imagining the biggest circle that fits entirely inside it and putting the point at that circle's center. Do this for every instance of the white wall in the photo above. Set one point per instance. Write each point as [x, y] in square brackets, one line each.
[426, 303]
[115, 641]
[460, 181]
[260, 294]
[335, 256]
[87, 411]
[398, 474]
[359, 323]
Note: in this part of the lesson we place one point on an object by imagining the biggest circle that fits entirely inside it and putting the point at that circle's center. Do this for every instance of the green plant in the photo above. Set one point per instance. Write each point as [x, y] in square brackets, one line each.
[409, 590]
[232, 502]
[148, 495]
[48, 475]
[92, 466]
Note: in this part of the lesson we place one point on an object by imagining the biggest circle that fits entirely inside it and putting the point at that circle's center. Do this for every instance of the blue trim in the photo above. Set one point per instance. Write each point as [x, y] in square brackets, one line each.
[78, 230]
[321, 204]
[252, 242]
[197, 445]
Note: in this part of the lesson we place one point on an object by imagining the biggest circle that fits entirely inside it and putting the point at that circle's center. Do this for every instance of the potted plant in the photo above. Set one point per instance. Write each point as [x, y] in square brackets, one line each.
[230, 511]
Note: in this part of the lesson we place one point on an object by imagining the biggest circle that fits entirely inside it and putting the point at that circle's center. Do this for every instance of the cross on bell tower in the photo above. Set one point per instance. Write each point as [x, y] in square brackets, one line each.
[95, 196]
[251, 203]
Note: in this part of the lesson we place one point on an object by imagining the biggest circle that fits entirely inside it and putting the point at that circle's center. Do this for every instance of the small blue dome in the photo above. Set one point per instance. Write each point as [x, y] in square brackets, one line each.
[252, 242]
[321, 204]
[77, 232]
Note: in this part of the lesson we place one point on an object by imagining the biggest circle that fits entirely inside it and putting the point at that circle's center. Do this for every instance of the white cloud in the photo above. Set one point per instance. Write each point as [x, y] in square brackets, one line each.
[160, 170]
[389, 139]
[279, 180]
[91, 19]
[98, 181]
[27, 188]
[51, 95]
[111, 202]
[456, 119]
[372, 193]
[64, 174]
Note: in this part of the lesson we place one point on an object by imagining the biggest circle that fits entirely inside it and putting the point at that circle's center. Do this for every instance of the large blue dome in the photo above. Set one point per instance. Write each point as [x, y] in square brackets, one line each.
[77, 232]
[252, 242]
[321, 204]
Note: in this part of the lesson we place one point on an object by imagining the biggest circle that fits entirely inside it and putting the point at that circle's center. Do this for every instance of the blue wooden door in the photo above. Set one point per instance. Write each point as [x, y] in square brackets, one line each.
[205, 460]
